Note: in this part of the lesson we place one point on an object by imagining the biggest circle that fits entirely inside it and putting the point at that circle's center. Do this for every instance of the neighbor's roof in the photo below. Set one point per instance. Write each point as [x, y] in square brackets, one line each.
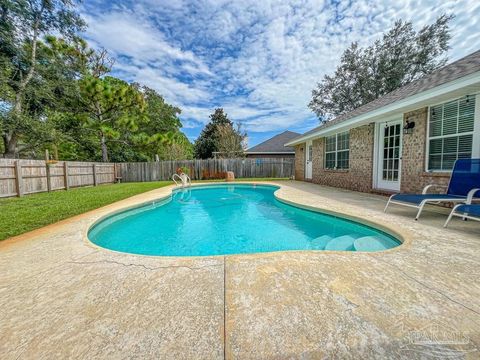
[456, 70]
[275, 144]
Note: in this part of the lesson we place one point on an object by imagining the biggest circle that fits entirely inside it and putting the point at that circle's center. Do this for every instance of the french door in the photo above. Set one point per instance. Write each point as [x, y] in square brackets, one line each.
[309, 160]
[389, 156]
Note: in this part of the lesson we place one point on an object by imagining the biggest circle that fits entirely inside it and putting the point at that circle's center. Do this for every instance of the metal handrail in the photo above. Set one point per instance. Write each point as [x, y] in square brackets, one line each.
[184, 178]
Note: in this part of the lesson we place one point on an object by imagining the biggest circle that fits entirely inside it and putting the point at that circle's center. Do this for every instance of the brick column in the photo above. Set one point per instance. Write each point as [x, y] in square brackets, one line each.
[300, 162]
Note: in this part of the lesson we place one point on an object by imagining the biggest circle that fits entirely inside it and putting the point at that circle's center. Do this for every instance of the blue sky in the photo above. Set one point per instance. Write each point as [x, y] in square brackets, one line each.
[259, 60]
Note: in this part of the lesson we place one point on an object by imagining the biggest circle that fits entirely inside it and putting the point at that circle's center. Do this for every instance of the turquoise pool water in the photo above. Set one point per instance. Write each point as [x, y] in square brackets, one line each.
[231, 219]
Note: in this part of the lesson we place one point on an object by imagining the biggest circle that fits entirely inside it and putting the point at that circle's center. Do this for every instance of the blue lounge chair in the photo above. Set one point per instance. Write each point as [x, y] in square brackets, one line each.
[463, 186]
[465, 211]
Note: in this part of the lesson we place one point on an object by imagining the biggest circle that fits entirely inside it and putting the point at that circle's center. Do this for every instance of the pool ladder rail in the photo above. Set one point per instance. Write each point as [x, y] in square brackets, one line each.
[184, 180]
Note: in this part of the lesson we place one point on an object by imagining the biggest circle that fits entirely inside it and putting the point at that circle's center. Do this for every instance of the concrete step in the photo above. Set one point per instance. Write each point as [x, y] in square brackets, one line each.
[341, 243]
[320, 242]
[370, 243]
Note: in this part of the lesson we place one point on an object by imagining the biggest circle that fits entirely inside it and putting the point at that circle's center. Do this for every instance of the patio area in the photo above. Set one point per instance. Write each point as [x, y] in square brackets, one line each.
[63, 297]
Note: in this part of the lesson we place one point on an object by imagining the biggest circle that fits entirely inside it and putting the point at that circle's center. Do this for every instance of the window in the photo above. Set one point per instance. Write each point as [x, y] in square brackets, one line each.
[337, 151]
[450, 135]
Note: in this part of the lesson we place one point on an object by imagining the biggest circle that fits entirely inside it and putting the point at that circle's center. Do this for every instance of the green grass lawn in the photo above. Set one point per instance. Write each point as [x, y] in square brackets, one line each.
[19, 215]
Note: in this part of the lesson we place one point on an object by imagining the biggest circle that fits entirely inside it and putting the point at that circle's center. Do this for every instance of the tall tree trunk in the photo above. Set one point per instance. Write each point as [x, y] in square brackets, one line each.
[5, 144]
[104, 148]
[9, 145]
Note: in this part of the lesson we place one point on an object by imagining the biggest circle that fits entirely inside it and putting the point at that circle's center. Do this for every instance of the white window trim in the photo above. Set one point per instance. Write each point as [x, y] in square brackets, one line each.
[475, 132]
[336, 151]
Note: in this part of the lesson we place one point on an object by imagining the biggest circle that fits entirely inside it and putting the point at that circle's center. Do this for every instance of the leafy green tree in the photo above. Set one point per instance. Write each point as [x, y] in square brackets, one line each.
[51, 100]
[207, 143]
[23, 25]
[72, 139]
[51, 89]
[160, 133]
[111, 108]
[176, 146]
[230, 141]
[162, 117]
[401, 56]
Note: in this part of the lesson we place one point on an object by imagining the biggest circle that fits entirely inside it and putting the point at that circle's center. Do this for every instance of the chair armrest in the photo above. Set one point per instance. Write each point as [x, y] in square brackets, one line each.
[470, 196]
[425, 189]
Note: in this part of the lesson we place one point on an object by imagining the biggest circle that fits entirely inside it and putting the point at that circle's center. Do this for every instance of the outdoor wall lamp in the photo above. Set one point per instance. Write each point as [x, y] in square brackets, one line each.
[409, 126]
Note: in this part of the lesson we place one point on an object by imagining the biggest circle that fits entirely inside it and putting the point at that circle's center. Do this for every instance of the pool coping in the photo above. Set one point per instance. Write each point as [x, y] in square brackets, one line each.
[404, 236]
[65, 297]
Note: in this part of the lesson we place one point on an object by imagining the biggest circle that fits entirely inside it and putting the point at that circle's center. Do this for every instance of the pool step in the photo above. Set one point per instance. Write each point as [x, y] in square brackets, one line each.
[320, 242]
[341, 243]
[370, 243]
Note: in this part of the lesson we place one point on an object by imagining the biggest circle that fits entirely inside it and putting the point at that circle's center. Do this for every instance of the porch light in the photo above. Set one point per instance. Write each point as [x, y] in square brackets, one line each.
[409, 126]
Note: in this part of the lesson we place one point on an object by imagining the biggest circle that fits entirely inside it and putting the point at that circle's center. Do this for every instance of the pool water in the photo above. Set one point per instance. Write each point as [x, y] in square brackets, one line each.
[231, 219]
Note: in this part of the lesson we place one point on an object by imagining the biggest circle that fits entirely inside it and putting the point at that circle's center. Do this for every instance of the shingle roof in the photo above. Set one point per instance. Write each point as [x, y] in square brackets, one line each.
[275, 144]
[460, 68]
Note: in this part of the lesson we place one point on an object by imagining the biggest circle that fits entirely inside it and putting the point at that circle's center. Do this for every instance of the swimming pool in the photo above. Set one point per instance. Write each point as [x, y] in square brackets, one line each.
[231, 219]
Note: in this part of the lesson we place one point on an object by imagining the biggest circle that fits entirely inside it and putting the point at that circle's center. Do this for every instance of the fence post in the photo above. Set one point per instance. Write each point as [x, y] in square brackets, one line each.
[65, 175]
[18, 178]
[94, 174]
[49, 180]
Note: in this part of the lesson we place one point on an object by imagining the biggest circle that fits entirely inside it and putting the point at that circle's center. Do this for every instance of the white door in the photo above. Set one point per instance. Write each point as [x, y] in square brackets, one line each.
[308, 160]
[389, 156]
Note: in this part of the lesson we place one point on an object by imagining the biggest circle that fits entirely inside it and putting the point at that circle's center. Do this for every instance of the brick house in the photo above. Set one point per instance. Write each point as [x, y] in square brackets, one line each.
[402, 141]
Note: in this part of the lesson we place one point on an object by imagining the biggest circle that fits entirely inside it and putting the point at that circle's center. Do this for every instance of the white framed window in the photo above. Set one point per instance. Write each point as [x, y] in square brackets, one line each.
[451, 128]
[337, 151]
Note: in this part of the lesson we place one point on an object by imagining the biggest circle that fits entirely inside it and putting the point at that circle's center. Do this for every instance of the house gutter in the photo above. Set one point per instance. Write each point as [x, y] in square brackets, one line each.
[269, 152]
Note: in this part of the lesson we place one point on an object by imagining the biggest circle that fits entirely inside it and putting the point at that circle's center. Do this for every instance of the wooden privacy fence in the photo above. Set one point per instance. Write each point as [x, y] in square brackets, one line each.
[19, 177]
[207, 169]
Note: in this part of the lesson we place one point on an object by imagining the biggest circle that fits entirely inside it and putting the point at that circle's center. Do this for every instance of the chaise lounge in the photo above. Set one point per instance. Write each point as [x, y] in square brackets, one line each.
[463, 187]
[465, 211]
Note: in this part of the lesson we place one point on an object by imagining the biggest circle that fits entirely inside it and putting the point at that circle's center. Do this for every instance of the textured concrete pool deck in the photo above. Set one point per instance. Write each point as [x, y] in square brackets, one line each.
[62, 297]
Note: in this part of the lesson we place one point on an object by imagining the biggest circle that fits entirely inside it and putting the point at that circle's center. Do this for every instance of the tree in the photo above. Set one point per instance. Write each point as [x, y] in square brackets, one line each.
[50, 90]
[230, 141]
[400, 57]
[54, 93]
[162, 117]
[176, 146]
[206, 143]
[159, 133]
[111, 108]
[24, 24]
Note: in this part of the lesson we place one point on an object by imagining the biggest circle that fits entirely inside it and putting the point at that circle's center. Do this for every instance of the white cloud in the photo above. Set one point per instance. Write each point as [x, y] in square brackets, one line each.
[257, 59]
[143, 55]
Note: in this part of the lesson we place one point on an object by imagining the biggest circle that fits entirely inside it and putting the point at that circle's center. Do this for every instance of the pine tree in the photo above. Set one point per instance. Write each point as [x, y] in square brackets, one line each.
[206, 143]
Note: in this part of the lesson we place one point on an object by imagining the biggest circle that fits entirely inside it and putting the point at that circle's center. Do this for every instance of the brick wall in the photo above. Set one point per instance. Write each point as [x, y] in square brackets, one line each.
[359, 176]
[414, 148]
[300, 162]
